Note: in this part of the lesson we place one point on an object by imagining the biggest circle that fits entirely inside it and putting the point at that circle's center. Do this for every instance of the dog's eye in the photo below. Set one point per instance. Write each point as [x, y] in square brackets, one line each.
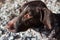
[27, 16]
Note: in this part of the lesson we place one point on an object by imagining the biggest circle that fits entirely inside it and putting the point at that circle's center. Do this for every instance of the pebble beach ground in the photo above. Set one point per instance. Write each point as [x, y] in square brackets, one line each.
[10, 8]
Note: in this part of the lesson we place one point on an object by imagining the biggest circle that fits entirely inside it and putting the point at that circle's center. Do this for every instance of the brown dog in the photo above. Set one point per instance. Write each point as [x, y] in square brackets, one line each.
[33, 15]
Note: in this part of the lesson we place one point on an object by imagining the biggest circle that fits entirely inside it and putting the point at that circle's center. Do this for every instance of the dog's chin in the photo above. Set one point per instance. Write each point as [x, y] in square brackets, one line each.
[13, 31]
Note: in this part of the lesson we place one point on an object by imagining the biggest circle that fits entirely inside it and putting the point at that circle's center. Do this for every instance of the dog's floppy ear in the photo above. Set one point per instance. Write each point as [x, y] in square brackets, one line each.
[47, 13]
[47, 18]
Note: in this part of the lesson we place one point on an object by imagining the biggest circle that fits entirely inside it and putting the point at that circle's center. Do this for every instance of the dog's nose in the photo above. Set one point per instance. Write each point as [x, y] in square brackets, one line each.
[10, 25]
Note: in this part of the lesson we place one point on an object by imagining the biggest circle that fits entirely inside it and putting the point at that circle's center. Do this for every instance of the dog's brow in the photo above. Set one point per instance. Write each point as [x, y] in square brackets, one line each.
[24, 11]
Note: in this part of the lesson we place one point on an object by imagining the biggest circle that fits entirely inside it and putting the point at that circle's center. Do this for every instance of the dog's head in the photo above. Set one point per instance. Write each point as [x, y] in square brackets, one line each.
[31, 16]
